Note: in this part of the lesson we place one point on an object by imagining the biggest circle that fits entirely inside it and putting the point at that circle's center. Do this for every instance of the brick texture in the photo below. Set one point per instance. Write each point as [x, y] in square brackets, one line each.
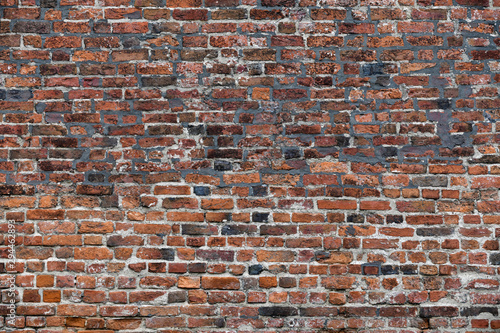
[250, 165]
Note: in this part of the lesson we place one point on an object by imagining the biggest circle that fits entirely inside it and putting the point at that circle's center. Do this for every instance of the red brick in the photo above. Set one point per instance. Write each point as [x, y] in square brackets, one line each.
[230, 283]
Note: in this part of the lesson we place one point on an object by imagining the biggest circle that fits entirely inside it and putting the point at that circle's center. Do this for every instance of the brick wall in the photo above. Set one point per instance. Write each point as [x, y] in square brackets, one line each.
[263, 165]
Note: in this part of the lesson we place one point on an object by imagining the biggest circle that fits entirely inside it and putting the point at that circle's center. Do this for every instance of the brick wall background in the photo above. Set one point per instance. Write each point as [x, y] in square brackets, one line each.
[253, 165]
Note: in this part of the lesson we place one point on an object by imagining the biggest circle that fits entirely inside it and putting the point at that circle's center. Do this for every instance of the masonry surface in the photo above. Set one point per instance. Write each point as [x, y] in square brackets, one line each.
[250, 165]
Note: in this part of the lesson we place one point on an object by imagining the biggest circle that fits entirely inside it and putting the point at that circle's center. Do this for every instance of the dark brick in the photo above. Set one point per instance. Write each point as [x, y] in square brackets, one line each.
[354, 218]
[197, 267]
[167, 254]
[196, 229]
[17, 190]
[109, 201]
[394, 219]
[278, 3]
[486, 159]
[260, 217]
[117, 240]
[373, 69]
[48, 3]
[278, 311]
[434, 232]
[222, 165]
[39, 27]
[430, 181]
[409, 269]
[495, 258]
[163, 81]
[475, 311]
[389, 270]
[177, 296]
[19, 95]
[238, 229]
[255, 269]
[201, 190]
[215, 255]
[438, 311]
[479, 3]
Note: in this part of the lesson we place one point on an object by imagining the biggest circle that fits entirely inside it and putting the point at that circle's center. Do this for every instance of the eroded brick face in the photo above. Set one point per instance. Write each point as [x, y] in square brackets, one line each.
[250, 166]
